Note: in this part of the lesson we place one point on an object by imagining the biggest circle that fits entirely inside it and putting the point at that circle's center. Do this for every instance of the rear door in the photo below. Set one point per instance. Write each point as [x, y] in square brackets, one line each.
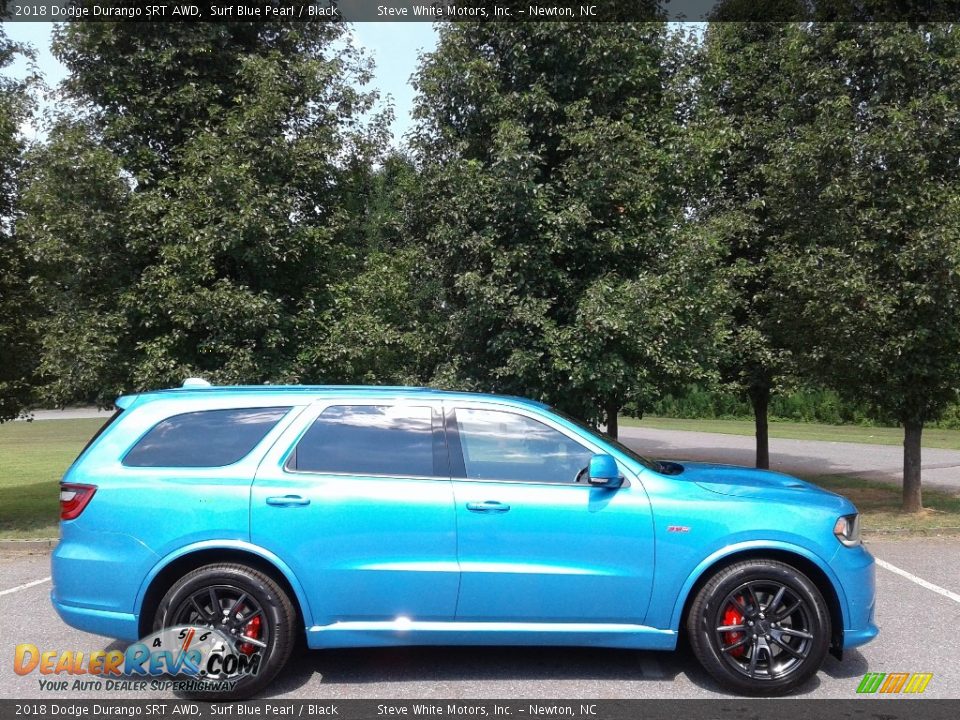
[356, 498]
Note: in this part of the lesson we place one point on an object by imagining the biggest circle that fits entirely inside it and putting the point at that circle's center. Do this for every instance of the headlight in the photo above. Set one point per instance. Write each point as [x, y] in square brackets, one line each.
[847, 530]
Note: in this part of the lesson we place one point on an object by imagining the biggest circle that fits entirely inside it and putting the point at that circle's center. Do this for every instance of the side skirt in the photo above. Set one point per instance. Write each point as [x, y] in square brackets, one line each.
[408, 632]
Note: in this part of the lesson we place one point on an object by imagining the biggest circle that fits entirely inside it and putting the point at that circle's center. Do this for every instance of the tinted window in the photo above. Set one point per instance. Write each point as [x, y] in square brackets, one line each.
[211, 438]
[505, 446]
[369, 440]
[603, 437]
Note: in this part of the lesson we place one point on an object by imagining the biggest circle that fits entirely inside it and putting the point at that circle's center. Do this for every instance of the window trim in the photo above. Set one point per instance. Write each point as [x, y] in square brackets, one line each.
[458, 463]
[286, 413]
[436, 426]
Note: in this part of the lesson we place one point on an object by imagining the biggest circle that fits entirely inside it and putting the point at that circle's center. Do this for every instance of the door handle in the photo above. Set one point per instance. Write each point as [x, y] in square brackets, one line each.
[488, 506]
[287, 501]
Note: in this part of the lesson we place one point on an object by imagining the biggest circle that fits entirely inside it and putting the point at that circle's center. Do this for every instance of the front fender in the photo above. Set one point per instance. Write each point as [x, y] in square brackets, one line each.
[238, 545]
[753, 546]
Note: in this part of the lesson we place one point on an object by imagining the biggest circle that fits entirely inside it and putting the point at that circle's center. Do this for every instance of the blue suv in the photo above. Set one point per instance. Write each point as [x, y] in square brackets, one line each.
[371, 516]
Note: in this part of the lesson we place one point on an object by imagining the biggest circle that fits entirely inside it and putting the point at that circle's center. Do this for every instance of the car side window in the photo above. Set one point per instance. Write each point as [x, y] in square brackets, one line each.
[500, 445]
[208, 438]
[370, 440]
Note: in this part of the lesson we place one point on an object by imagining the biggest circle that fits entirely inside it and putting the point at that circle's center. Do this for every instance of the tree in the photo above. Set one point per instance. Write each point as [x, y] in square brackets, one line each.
[740, 128]
[553, 179]
[17, 342]
[226, 172]
[385, 322]
[871, 284]
[76, 248]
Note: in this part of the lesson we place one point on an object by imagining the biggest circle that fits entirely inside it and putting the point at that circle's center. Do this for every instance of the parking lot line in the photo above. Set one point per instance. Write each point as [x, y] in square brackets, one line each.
[918, 580]
[25, 586]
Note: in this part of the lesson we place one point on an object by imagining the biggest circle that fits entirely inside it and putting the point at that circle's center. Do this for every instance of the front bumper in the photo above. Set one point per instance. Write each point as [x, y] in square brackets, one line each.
[856, 638]
[856, 571]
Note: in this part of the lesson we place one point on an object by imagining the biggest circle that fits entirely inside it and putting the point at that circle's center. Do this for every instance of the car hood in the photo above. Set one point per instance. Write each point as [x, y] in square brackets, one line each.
[750, 483]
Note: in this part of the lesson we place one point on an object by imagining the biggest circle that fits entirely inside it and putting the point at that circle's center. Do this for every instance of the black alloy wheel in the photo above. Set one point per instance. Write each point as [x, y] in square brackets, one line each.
[760, 627]
[248, 607]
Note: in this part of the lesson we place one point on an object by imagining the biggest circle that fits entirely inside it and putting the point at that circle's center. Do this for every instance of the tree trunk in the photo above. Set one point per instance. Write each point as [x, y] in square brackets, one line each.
[912, 500]
[613, 410]
[760, 400]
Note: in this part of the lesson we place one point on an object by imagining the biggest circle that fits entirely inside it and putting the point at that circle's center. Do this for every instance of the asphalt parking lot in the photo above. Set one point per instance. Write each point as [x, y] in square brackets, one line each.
[918, 634]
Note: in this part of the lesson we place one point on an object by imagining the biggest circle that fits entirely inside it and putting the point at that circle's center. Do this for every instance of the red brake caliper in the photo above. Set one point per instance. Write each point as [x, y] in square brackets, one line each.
[732, 616]
[251, 630]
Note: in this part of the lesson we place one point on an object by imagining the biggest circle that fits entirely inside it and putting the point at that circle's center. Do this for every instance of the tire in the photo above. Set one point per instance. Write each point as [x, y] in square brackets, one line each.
[229, 582]
[776, 627]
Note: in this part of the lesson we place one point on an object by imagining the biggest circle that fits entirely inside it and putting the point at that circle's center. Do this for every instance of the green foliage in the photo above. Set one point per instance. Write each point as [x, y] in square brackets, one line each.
[75, 202]
[798, 405]
[872, 279]
[194, 215]
[384, 323]
[871, 282]
[554, 187]
[17, 341]
[739, 126]
[152, 88]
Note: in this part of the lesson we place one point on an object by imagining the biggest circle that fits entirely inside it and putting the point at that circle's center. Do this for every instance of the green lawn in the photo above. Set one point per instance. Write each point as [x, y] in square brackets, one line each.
[879, 506]
[33, 457]
[932, 437]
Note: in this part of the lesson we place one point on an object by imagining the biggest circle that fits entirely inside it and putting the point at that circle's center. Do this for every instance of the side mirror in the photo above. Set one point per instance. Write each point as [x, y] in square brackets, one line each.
[603, 472]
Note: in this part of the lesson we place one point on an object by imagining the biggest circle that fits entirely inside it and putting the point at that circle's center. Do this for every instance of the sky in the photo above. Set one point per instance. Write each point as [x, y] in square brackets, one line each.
[395, 48]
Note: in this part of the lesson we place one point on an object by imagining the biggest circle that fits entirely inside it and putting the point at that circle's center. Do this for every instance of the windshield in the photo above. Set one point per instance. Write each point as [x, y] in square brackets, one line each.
[632, 454]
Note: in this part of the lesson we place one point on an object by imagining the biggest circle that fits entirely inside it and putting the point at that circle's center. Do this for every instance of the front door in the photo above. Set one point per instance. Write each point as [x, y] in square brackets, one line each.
[536, 543]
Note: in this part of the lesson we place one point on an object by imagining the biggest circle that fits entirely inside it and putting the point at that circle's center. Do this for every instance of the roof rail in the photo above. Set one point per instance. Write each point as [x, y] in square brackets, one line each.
[195, 382]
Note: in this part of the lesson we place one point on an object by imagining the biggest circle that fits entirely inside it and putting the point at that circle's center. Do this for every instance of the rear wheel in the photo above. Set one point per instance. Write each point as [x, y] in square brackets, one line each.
[244, 604]
[760, 627]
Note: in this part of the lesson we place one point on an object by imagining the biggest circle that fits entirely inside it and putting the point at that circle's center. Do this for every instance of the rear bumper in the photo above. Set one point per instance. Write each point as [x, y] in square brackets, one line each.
[96, 578]
[122, 626]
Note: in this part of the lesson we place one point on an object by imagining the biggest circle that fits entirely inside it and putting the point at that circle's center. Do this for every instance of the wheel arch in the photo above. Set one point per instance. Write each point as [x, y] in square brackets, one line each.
[803, 560]
[177, 564]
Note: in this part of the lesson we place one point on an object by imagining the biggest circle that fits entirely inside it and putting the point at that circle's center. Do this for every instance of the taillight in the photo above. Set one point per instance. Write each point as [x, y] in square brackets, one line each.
[74, 498]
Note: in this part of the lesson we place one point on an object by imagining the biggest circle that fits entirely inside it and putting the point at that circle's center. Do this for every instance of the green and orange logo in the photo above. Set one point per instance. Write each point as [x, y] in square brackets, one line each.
[892, 683]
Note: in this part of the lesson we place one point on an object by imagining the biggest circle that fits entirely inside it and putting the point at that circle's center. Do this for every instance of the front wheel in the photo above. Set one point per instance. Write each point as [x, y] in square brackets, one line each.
[248, 608]
[760, 627]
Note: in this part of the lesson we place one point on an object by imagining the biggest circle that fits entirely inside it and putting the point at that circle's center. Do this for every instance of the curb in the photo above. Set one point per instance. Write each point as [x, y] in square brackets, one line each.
[43, 544]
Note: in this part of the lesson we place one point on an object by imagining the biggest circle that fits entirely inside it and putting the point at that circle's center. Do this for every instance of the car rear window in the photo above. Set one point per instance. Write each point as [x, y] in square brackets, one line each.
[209, 438]
[368, 440]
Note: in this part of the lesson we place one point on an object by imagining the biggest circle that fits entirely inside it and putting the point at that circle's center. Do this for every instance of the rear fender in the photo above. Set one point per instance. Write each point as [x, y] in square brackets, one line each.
[234, 545]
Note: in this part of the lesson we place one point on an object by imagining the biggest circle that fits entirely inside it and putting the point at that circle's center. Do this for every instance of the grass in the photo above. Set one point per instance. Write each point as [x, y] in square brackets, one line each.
[879, 506]
[932, 437]
[33, 457]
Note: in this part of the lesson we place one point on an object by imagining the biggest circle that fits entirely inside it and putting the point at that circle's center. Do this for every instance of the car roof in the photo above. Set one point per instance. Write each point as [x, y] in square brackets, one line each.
[197, 390]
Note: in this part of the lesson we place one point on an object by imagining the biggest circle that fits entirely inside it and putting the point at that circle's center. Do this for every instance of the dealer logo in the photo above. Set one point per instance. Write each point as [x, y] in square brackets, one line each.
[892, 683]
[202, 654]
